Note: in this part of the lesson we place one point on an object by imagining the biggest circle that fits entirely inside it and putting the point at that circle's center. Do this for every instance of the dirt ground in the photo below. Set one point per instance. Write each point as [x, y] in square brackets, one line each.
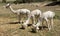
[9, 27]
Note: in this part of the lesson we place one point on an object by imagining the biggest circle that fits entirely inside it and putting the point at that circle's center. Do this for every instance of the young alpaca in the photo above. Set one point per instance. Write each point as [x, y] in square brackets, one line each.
[32, 15]
[48, 15]
[19, 11]
[35, 13]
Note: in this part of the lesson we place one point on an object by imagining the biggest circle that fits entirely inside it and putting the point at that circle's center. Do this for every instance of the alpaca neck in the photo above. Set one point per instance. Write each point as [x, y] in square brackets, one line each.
[12, 9]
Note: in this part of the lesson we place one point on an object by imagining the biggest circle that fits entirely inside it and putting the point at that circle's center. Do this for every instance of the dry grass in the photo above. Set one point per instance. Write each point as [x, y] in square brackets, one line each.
[7, 29]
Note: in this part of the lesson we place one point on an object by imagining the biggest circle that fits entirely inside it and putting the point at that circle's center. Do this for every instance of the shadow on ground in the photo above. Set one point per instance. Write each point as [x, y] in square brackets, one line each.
[14, 22]
[40, 28]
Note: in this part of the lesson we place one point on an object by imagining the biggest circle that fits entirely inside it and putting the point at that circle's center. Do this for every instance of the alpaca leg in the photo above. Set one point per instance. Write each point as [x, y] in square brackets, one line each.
[42, 23]
[26, 15]
[33, 26]
[41, 20]
[48, 23]
[19, 18]
[34, 19]
[52, 23]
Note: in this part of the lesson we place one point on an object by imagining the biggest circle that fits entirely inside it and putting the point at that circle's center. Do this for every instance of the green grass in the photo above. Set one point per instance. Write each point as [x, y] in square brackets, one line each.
[7, 16]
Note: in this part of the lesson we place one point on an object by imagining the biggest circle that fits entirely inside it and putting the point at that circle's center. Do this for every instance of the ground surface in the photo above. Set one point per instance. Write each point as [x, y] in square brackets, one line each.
[7, 20]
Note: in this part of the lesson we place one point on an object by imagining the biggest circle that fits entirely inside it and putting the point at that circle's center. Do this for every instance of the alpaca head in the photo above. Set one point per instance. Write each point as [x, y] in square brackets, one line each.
[7, 5]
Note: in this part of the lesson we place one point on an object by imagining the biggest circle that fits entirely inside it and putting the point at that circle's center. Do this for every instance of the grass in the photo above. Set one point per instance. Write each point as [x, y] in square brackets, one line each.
[7, 29]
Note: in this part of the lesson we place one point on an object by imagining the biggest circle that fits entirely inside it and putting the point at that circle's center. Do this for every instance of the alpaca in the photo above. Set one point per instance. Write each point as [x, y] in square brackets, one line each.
[19, 11]
[47, 16]
[34, 13]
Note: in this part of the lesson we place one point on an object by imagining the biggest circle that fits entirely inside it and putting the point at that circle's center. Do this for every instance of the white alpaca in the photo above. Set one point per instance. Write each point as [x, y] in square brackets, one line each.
[33, 14]
[19, 11]
[48, 15]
